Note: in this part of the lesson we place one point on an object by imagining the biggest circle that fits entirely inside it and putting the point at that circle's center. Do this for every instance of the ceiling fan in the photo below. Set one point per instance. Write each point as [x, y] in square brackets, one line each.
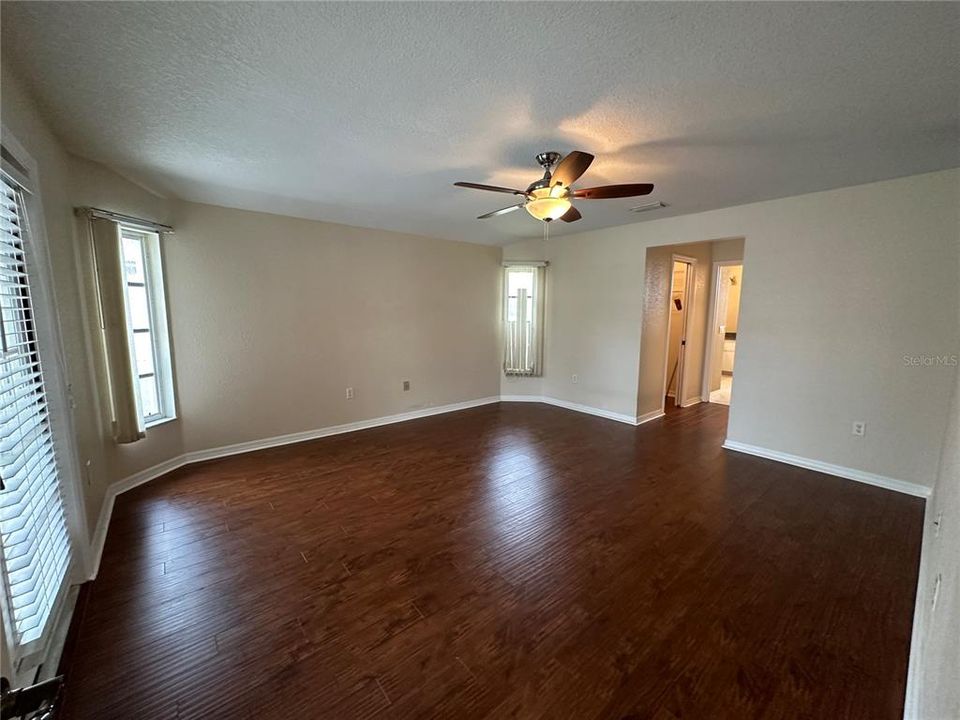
[551, 197]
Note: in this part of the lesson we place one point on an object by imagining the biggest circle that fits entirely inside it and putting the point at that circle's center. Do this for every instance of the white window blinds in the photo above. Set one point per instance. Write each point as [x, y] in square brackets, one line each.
[35, 541]
[523, 319]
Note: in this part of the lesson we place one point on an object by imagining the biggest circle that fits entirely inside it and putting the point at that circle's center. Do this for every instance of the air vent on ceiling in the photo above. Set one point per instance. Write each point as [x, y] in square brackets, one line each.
[655, 205]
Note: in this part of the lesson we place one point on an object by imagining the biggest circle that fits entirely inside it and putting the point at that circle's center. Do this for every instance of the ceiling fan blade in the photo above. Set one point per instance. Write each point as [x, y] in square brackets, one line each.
[605, 192]
[491, 188]
[501, 211]
[571, 215]
[570, 168]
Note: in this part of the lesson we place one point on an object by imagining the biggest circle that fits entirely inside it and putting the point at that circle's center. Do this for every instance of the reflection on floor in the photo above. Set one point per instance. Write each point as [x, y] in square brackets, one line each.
[514, 560]
[722, 396]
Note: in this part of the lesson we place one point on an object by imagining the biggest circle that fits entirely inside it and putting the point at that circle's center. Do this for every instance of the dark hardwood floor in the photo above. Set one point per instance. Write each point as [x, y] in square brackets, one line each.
[510, 561]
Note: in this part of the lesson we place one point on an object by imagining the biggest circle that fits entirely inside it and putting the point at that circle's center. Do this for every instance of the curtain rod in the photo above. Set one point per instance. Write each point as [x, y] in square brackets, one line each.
[92, 212]
[525, 263]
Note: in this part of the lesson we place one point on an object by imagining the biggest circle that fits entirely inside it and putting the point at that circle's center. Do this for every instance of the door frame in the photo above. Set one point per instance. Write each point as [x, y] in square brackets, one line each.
[712, 333]
[688, 297]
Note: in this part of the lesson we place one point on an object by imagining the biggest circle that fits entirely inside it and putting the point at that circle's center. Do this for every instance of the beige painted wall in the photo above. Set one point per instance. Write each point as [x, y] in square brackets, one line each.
[727, 250]
[271, 317]
[840, 286]
[933, 690]
[274, 317]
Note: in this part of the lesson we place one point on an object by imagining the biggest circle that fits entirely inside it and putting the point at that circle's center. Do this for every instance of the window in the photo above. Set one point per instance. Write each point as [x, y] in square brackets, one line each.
[35, 544]
[147, 325]
[523, 319]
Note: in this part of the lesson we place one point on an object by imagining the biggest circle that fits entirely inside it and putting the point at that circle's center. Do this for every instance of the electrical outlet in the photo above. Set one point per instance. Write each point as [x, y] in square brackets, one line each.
[859, 428]
[349, 393]
[406, 385]
[574, 378]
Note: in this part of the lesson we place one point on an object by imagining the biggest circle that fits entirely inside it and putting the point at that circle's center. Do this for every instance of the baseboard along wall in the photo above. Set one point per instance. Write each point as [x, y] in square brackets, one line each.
[151, 473]
[902, 486]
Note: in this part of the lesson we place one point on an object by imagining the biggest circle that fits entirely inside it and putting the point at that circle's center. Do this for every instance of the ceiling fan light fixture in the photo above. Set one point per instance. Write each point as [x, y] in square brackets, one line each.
[551, 197]
[546, 204]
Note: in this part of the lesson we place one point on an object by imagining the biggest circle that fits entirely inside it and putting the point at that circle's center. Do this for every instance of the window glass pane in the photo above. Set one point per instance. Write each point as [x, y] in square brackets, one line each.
[518, 279]
[143, 350]
[149, 401]
[144, 300]
[139, 311]
[133, 260]
[512, 309]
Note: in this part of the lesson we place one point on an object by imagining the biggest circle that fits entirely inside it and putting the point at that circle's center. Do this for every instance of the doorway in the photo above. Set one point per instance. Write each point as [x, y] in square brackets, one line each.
[728, 280]
[681, 297]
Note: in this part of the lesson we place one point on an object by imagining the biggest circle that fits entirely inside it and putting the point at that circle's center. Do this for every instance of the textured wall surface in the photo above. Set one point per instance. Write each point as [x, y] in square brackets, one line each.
[365, 113]
[839, 287]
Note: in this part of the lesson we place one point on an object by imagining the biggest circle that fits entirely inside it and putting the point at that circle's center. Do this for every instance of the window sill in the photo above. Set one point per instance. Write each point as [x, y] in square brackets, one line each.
[159, 421]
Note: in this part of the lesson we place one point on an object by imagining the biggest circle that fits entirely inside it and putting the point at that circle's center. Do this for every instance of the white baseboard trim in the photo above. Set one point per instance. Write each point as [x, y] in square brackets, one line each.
[151, 473]
[100, 532]
[652, 415]
[691, 401]
[576, 407]
[888, 483]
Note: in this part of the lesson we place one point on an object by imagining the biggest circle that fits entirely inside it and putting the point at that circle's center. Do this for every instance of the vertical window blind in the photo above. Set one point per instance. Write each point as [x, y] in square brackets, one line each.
[35, 541]
[522, 319]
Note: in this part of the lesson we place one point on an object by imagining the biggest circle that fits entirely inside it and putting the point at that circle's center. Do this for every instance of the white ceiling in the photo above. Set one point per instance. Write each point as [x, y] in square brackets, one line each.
[365, 113]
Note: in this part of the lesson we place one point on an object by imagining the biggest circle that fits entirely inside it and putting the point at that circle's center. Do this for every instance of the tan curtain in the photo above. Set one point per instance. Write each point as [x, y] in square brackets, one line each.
[108, 258]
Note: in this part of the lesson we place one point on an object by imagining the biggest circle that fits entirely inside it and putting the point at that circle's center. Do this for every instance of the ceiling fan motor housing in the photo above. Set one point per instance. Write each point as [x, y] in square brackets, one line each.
[547, 161]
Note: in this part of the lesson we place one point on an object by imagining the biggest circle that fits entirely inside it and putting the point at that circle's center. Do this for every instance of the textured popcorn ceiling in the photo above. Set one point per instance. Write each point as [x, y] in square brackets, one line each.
[365, 113]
